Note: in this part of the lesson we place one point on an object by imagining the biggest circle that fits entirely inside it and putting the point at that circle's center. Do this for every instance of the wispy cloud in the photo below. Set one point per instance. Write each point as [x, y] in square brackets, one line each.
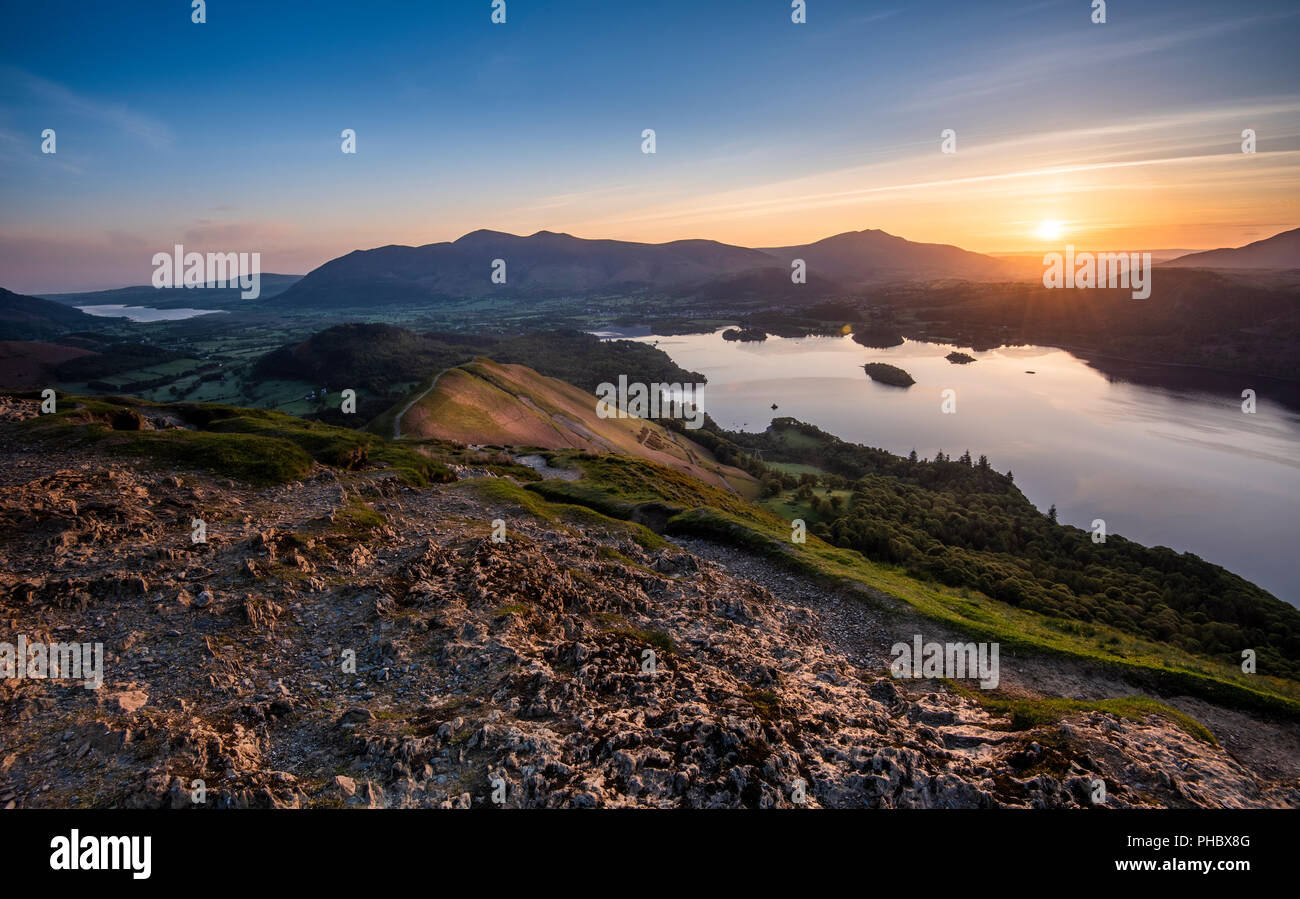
[1030, 69]
[117, 116]
[17, 148]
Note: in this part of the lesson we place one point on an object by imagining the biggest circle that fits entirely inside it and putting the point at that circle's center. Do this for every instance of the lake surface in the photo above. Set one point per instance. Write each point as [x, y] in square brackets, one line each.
[145, 313]
[1183, 468]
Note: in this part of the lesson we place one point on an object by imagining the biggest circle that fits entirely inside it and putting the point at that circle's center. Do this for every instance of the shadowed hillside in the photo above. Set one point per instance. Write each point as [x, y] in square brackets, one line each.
[31, 318]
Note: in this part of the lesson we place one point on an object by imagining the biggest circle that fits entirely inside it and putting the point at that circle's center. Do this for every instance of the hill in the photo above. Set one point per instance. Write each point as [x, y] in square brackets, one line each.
[31, 318]
[484, 402]
[177, 297]
[1281, 251]
[870, 257]
[32, 363]
[544, 263]
[377, 360]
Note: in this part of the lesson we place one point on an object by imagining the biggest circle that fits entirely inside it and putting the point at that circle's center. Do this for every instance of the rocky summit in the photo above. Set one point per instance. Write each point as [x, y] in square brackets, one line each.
[349, 640]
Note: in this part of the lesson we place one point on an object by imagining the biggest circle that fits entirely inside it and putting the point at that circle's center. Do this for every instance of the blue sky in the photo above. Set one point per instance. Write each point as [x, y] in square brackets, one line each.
[225, 136]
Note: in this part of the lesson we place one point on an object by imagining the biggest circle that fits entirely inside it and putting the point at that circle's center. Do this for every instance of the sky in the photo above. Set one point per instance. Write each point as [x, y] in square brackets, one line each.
[226, 136]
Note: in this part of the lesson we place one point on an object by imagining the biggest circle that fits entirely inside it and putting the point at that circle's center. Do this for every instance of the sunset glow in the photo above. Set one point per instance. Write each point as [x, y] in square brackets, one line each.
[546, 139]
[1051, 230]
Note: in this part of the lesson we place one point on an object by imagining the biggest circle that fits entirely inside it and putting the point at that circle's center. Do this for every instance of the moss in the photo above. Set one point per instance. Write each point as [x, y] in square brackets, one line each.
[245, 457]
[657, 639]
[501, 490]
[1026, 713]
[254, 445]
[767, 705]
[414, 467]
[358, 518]
[336, 447]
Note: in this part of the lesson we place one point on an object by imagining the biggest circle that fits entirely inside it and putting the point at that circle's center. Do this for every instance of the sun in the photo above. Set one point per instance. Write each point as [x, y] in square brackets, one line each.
[1050, 230]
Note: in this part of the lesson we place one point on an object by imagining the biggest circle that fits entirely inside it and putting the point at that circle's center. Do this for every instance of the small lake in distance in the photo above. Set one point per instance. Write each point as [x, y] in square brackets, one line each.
[1181, 468]
[145, 313]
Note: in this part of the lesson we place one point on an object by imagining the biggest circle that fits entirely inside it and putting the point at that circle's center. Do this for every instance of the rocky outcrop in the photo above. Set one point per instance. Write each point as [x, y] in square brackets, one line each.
[305, 655]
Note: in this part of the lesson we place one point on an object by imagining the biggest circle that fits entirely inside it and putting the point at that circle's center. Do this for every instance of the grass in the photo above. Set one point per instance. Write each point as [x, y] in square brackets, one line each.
[624, 488]
[796, 468]
[615, 494]
[358, 519]
[657, 639]
[507, 493]
[1026, 713]
[787, 505]
[257, 446]
[765, 702]
[617, 485]
[412, 465]
[244, 457]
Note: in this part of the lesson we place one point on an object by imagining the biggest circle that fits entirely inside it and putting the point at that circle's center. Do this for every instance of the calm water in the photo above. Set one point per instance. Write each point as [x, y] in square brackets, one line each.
[145, 313]
[1180, 468]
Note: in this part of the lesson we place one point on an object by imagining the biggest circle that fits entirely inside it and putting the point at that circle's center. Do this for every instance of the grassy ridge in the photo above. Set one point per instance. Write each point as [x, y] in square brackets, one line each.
[1024, 714]
[253, 445]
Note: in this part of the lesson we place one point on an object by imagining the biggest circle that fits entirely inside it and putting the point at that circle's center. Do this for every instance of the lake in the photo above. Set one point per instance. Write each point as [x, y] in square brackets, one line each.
[145, 313]
[1169, 466]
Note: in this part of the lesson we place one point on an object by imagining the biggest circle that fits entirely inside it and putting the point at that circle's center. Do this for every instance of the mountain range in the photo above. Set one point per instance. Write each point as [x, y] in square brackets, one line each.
[547, 263]
[552, 264]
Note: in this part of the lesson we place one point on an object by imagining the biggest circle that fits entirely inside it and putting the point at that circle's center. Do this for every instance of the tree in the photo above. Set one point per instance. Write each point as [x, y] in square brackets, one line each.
[1051, 513]
[911, 457]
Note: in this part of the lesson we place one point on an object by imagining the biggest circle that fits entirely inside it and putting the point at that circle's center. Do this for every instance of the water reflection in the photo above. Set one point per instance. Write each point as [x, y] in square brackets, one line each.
[1182, 467]
[145, 313]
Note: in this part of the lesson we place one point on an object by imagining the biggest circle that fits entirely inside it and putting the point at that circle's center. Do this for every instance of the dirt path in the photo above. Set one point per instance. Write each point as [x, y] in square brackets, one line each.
[397, 420]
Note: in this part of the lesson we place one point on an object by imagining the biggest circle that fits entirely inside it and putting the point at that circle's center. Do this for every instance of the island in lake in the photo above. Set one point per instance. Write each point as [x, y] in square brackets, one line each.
[745, 334]
[888, 374]
[959, 358]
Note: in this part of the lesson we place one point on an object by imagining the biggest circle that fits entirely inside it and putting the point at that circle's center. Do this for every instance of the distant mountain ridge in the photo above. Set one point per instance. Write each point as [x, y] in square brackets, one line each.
[32, 318]
[548, 263]
[1281, 251]
[175, 297]
[857, 257]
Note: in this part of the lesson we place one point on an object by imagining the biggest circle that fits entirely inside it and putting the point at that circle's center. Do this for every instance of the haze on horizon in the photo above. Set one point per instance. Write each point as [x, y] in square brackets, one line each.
[225, 136]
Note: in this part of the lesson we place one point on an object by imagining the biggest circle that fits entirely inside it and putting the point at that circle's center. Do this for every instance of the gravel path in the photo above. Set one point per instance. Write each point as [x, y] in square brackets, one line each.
[397, 421]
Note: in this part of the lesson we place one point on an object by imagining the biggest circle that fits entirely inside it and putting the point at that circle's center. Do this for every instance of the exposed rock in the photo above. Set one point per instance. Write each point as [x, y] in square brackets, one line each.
[422, 664]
